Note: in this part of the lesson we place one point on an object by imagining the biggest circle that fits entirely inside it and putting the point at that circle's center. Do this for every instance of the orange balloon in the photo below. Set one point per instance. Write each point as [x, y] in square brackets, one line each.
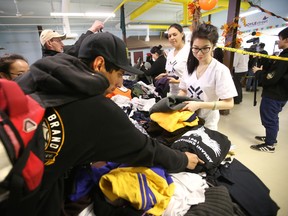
[207, 4]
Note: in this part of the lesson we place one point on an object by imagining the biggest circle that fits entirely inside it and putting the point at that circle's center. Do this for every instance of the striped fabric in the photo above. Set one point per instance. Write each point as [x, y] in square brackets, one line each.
[148, 189]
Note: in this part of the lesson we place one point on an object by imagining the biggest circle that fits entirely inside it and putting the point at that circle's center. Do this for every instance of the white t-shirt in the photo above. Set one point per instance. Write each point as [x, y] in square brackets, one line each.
[176, 65]
[240, 63]
[216, 83]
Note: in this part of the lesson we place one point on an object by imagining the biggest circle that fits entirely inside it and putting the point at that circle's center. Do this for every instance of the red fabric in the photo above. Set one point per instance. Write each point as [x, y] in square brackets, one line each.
[14, 140]
[34, 114]
[33, 171]
[14, 106]
[21, 108]
[3, 103]
[25, 114]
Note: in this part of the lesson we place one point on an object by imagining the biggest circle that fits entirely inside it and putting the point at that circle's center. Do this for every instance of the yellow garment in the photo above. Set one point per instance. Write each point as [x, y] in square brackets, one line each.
[172, 121]
[129, 183]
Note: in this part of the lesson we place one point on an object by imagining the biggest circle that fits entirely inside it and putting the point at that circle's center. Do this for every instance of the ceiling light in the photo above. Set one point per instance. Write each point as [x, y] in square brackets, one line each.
[82, 14]
[249, 13]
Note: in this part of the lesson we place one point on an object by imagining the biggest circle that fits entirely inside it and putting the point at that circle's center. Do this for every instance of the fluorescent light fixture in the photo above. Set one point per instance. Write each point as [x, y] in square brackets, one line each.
[82, 14]
[249, 13]
[67, 14]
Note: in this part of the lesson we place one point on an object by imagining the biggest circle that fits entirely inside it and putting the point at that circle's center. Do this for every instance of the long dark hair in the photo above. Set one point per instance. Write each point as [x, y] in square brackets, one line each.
[204, 31]
[157, 49]
[7, 59]
[219, 54]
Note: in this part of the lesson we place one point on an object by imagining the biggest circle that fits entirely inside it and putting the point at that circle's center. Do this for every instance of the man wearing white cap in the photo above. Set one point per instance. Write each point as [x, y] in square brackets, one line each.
[52, 44]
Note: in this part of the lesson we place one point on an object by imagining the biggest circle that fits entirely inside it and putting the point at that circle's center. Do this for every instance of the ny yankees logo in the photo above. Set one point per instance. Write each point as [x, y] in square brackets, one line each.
[195, 92]
[173, 64]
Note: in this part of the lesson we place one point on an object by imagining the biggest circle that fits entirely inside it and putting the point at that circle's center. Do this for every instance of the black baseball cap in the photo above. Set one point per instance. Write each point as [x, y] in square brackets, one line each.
[112, 48]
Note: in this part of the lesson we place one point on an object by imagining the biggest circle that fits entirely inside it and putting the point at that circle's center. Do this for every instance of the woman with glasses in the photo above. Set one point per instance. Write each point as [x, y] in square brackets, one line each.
[12, 66]
[176, 58]
[206, 78]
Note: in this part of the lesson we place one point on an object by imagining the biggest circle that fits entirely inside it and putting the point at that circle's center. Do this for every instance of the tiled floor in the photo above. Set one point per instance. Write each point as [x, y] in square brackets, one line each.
[241, 125]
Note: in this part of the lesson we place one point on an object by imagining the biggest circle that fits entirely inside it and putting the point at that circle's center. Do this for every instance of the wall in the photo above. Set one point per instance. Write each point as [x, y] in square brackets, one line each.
[25, 41]
[269, 26]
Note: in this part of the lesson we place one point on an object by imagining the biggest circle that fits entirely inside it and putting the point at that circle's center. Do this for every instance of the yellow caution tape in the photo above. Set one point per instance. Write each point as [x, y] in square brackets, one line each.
[253, 53]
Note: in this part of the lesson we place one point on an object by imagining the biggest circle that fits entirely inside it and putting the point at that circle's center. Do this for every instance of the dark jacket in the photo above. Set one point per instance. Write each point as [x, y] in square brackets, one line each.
[157, 67]
[83, 126]
[46, 52]
[273, 82]
[70, 49]
[263, 61]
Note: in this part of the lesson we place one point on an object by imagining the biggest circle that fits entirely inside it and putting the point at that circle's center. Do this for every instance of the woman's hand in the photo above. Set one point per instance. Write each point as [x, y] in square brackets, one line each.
[191, 106]
[160, 76]
[173, 80]
[193, 160]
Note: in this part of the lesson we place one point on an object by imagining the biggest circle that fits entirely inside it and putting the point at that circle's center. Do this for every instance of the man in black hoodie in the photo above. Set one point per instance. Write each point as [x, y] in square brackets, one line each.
[274, 96]
[82, 125]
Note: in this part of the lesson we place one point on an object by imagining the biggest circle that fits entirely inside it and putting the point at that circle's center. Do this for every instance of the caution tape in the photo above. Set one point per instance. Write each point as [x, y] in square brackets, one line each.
[253, 53]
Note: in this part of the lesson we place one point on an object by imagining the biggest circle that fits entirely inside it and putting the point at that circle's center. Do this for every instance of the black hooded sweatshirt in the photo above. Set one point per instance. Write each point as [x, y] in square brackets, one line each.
[275, 84]
[82, 126]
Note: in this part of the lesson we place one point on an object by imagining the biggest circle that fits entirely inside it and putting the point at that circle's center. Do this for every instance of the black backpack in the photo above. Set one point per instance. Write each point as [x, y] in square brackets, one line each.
[21, 150]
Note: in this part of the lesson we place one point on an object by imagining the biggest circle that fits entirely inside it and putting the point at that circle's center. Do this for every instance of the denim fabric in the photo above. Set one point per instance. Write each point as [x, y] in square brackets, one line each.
[250, 85]
[269, 113]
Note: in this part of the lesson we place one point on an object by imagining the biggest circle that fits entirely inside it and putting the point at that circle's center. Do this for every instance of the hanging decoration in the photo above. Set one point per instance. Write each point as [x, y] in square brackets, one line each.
[244, 21]
[191, 8]
[264, 28]
[238, 43]
[267, 12]
[228, 29]
[256, 34]
[194, 13]
[207, 4]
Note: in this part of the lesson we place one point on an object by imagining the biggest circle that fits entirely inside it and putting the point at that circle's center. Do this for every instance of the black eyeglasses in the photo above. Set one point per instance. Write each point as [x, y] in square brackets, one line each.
[204, 50]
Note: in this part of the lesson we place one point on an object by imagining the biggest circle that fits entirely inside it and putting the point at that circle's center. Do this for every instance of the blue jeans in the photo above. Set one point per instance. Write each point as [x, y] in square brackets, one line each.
[250, 80]
[269, 113]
